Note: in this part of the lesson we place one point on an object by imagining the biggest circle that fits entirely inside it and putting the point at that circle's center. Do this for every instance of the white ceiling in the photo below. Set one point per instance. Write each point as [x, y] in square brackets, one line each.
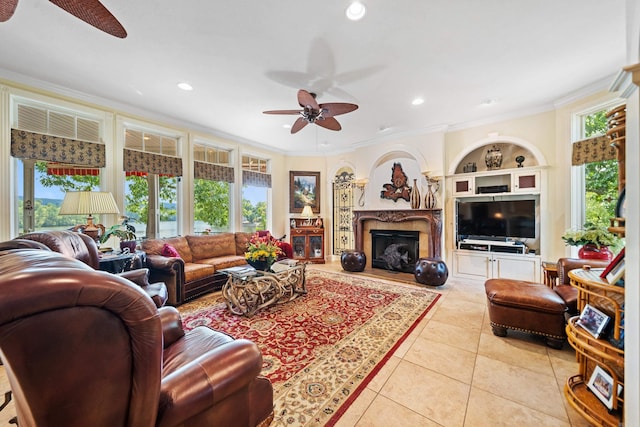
[246, 56]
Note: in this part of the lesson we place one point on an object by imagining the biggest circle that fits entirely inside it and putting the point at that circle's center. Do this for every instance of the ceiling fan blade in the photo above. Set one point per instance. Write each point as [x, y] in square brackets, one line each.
[336, 108]
[298, 124]
[328, 123]
[7, 7]
[282, 112]
[306, 100]
[93, 13]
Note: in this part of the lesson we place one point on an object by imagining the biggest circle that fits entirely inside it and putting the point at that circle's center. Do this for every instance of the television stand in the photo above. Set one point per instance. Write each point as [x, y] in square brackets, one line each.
[511, 247]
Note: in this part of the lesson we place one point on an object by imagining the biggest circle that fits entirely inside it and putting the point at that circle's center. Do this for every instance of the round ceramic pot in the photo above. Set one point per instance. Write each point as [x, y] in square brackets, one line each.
[590, 251]
[261, 265]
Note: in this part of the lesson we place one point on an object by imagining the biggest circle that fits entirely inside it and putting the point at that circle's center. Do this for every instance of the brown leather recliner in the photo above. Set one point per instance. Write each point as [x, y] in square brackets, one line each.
[88, 348]
[84, 248]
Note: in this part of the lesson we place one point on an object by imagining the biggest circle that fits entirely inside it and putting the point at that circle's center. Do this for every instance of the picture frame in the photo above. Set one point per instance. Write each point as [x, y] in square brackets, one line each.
[612, 264]
[616, 273]
[304, 189]
[593, 320]
[601, 384]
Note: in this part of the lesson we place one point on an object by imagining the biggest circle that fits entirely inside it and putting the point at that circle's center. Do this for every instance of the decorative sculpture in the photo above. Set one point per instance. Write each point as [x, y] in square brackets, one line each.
[398, 188]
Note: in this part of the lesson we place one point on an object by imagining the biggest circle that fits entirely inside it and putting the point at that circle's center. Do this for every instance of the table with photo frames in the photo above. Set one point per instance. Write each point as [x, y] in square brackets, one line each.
[248, 290]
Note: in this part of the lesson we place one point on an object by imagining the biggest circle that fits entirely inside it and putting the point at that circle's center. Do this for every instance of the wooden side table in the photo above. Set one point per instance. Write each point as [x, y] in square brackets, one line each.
[550, 273]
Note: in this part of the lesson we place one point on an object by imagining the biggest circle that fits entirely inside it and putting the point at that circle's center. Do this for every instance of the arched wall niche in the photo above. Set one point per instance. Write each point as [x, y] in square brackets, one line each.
[511, 147]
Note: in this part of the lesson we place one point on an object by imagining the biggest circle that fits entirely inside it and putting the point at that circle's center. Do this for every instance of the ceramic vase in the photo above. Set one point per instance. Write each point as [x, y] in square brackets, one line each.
[414, 198]
[493, 158]
[590, 251]
[430, 198]
[260, 264]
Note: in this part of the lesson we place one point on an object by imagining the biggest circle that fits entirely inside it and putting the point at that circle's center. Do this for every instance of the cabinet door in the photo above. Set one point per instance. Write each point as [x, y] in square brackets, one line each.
[316, 247]
[299, 245]
[473, 265]
[525, 182]
[464, 186]
[519, 267]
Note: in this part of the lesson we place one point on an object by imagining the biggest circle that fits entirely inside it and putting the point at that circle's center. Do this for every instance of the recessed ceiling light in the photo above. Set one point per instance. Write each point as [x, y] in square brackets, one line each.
[356, 11]
[185, 86]
[417, 101]
[287, 126]
[489, 101]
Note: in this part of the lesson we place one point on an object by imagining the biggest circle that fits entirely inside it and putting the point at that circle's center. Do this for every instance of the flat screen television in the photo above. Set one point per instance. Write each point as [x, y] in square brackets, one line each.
[500, 219]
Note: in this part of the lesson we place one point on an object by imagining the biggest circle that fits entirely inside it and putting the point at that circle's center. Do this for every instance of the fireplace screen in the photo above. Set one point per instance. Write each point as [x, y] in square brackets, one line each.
[395, 250]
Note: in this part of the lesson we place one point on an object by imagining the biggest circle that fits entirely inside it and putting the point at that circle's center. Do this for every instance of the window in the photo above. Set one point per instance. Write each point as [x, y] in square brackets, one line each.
[600, 178]
[41, 184]
[212, 189]
[256, 182]
[152, 171]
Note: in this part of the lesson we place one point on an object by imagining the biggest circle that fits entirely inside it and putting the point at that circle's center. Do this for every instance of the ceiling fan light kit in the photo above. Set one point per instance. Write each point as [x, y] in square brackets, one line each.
[319, 114]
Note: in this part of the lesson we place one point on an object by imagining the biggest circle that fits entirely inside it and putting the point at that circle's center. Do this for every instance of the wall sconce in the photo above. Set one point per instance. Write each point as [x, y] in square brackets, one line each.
[361, 184]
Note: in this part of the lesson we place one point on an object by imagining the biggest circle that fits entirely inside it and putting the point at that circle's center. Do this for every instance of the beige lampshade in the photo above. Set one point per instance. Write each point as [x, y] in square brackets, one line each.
[306, 211]
[88, 203]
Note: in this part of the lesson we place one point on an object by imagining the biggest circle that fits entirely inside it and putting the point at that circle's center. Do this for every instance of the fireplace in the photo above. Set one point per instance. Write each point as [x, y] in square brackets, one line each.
[396, 250]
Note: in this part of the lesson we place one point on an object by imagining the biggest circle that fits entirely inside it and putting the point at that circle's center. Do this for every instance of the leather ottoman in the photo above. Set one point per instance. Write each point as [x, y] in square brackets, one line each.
[354, 261]
[526, 306]
[431, 271]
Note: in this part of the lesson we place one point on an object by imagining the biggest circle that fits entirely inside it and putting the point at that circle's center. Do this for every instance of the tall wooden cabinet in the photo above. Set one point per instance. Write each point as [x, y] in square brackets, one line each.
[307, 240]
[592, 352]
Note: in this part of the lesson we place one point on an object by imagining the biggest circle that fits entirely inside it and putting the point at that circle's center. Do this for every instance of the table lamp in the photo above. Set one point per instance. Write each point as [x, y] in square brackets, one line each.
[89, 203]
[306, 211]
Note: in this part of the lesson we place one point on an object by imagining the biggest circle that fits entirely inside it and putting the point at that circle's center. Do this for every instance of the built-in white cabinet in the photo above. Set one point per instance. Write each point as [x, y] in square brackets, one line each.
[492, 265]
[502, 182]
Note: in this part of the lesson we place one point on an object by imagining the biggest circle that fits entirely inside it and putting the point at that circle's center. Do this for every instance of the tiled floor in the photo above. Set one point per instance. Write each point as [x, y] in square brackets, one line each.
[452, 371]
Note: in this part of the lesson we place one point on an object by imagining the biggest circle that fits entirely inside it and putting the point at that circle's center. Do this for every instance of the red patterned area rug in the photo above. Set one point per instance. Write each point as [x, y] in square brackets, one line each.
[322, 349]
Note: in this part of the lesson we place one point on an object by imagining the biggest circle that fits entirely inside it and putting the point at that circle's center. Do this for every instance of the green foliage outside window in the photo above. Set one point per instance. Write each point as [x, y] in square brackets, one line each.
[211, 203]
[601, 178]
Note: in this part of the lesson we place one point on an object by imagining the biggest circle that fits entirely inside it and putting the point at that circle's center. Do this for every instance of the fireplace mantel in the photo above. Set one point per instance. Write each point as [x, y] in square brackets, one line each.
[432, 216]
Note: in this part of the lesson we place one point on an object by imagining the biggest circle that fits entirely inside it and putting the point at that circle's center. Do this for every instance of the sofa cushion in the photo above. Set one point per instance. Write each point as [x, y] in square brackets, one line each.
[211, 246]
[225, 261]
[242, 242]
[170, 251]
[154, 246]
[193, 271]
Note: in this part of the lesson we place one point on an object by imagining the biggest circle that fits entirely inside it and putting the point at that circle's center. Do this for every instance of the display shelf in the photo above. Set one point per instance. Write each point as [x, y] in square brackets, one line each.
[588, 405]
[592, 352]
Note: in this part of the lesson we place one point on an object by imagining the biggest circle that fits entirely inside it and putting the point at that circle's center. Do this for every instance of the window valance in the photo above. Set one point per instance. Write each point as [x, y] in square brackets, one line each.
[37, 146]
[213, 172]
[257, 179]
[594, 149]
[140, 161]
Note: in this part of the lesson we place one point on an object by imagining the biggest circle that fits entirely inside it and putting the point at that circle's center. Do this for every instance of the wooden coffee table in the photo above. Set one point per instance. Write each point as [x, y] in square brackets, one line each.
[248, 290]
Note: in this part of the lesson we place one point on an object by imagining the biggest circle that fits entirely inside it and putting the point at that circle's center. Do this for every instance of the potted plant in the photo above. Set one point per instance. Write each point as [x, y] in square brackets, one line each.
[123, 231]
[594, 241]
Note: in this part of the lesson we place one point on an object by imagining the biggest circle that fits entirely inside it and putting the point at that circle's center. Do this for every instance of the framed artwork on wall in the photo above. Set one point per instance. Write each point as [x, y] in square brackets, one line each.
[304, 189]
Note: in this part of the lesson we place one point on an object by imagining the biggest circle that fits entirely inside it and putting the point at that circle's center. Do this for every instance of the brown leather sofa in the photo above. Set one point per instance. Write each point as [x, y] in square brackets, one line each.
[534, 307]
[84, 248]
[196, 271]
[88, 348]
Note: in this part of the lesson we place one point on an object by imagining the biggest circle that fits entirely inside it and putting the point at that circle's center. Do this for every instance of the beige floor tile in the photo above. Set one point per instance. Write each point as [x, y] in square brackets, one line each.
[487, 409]
[457, 336]
[357, 409]
[432, 395]
[518, 351]
[383, 375]
[453, 316]
[443, 358]
[384, 412]
[520, 385]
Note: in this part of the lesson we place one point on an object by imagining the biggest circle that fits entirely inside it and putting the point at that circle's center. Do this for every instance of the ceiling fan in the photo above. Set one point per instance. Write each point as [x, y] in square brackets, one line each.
[320, 114]
[90, 11]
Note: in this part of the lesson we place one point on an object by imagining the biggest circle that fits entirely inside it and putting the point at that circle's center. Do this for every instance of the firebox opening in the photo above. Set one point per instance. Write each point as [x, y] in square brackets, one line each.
[395, 250]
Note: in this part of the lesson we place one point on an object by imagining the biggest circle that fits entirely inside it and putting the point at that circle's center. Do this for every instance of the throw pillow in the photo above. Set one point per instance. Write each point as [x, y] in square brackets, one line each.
[170, 251]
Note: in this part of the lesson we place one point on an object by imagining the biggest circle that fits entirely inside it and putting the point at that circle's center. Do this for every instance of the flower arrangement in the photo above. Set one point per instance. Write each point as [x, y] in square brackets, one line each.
[263, 249]
[590, 234]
